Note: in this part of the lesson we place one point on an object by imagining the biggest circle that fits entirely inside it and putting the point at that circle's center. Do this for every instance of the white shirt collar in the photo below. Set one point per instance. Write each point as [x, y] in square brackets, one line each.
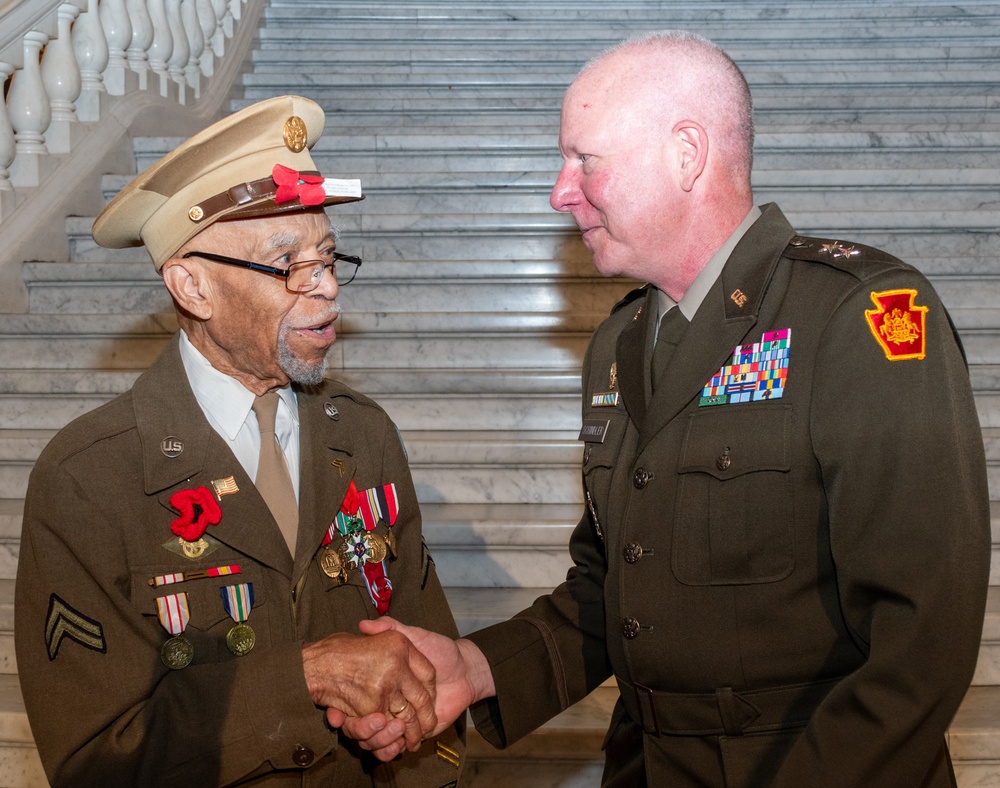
[225, 401]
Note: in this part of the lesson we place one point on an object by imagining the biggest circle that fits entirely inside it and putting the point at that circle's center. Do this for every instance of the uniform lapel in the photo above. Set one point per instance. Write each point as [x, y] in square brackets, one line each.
[725, 317]
[326, 467]
[168, 416]
[630, 357]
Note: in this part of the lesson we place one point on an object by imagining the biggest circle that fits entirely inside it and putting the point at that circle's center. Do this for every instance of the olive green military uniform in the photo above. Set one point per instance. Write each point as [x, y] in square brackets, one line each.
[104, 708]
[789, 590]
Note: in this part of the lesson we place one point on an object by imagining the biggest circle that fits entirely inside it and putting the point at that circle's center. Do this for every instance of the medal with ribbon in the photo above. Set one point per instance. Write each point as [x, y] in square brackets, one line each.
[238, 602]
[174, 615]
[361, 548]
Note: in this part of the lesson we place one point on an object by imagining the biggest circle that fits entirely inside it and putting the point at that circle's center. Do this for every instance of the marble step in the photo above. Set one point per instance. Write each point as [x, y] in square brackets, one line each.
[771, 146]
[734, 31]
[974, 115]
[522, 246]
[96, 288]
[501, 81]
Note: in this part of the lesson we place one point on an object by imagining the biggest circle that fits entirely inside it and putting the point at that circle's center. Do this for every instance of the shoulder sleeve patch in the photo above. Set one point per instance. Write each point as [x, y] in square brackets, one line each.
[63, 621]
[898, 325]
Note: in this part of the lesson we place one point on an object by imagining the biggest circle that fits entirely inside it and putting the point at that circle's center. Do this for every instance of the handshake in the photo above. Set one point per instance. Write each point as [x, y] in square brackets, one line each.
[395, 685]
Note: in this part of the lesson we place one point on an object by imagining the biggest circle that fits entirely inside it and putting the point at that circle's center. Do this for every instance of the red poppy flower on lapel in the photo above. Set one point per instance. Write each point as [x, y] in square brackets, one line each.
[198, 510]
[307, 187]
[352, 500]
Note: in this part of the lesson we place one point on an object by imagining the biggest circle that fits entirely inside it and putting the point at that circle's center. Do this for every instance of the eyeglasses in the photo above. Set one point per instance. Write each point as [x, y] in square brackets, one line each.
[302, 277]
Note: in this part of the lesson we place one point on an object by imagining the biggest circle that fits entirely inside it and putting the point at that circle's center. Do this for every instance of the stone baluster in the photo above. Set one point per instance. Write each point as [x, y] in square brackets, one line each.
[61, 77]
[236, 8]
[163, 44]
[196, 45]
[142, 39]
[6, 148]
[209, 23]
[118, 31]
[179, 56]
[30, 113]
[227, 19]
[91, 48]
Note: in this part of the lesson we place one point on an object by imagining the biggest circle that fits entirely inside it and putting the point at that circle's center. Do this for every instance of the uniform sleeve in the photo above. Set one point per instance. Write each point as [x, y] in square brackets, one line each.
[104, 709]
[900, 450]
[553, 654]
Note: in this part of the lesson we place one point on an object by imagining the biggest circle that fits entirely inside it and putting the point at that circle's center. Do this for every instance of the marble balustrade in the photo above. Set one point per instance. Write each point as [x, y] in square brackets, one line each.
[58, 57]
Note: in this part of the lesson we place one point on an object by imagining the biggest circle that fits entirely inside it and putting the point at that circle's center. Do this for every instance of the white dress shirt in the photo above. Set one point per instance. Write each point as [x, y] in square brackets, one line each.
[227, 405]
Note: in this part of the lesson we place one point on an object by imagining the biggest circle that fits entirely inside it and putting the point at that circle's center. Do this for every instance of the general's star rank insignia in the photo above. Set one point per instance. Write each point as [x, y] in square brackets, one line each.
[898, 325]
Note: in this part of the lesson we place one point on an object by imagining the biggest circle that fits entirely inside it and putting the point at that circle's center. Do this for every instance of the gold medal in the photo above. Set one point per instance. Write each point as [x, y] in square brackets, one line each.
[177, 652]
[390, 543]
[333, 565]
[376, 549]
[241, 639]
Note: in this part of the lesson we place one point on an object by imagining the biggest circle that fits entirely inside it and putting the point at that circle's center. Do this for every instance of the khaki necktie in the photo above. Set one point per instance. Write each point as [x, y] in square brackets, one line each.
[273, 481]
[673, 326]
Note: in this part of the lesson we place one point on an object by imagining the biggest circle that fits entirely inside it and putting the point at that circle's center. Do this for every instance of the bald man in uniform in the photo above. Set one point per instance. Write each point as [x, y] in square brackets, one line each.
[784, 554]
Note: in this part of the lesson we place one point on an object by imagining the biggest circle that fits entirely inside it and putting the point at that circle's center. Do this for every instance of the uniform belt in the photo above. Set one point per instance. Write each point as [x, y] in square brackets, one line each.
[723, 712]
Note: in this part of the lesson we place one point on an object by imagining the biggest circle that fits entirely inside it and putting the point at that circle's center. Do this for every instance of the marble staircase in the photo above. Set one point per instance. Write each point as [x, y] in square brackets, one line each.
[877, 121]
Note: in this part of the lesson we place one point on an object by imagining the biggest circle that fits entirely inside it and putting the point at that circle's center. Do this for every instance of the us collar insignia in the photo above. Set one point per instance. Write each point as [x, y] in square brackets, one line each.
[898, 325]
[756, 372]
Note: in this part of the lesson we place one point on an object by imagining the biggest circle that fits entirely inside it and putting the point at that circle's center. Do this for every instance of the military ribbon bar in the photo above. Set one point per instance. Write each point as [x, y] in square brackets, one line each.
[757, 371]
[379, 503]
[173, 612]
[180, 577]
[238, 601]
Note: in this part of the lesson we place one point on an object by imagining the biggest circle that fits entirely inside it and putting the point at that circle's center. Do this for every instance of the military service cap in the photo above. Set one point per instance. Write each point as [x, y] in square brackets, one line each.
[255, 162]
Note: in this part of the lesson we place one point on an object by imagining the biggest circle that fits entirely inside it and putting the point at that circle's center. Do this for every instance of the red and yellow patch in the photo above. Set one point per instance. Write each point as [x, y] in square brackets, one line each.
[898, 325]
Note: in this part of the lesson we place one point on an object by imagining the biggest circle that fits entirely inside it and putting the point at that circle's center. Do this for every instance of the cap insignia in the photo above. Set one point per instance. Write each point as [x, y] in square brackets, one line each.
[294, 134]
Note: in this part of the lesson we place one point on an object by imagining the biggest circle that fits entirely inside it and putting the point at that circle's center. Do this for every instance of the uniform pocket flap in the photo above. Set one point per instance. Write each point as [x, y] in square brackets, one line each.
[727, 441]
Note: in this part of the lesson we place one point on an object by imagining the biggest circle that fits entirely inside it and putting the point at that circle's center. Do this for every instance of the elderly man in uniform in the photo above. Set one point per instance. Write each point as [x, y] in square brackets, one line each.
[784, 554]
[197, 553]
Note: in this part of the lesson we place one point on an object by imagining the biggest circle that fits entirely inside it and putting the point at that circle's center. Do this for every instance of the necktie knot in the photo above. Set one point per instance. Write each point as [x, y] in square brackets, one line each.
[266, 410]
[673, 326]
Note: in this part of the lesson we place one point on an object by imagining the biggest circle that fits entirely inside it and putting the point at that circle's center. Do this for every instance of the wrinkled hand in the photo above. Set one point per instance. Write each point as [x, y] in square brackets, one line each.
[356, 676]
[462, 674]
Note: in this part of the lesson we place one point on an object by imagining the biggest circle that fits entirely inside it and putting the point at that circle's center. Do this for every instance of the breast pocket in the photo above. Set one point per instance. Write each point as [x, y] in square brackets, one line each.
[733, 519]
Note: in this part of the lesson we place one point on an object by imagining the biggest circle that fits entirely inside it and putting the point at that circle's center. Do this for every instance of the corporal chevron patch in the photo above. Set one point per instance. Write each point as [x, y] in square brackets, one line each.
[63, 621]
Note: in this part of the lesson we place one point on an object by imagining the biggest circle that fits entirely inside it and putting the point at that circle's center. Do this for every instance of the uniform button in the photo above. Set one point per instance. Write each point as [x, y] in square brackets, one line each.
[630, 628]
[632, 552]
[723, 461]
[641, 478]
[302, 756]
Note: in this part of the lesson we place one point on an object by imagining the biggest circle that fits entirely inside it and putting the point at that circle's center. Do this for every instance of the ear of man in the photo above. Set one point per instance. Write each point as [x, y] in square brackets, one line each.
[190, 286]
[692, 151]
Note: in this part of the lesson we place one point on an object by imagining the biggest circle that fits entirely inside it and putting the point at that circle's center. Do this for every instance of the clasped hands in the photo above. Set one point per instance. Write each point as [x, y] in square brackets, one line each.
[396, 686]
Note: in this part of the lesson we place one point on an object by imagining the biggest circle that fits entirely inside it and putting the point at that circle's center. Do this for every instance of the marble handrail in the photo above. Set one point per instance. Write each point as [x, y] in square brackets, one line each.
[60, 56]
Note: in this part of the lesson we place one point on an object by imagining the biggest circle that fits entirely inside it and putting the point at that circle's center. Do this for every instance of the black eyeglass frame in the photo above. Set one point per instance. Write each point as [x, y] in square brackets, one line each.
[284, 272]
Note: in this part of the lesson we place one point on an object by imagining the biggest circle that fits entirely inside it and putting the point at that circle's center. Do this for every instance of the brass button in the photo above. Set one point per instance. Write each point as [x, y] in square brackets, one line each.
[632, 552]
[641, 478]
[302, 756]
[723, 461]
[630, 628]
[797, 241]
